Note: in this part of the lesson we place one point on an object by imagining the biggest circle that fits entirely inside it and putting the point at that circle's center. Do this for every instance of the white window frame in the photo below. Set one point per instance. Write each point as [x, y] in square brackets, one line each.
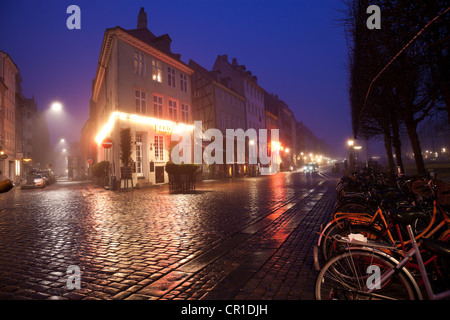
[184, 113]
[159, 147]
[140, 97]
[139, 63]
[156, 70]
[171, 77]
[183, 82]
[158, 107]
[139, 155]
[173, 110]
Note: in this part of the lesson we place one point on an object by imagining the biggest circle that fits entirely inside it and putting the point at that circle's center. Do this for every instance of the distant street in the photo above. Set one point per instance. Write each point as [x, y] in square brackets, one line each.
[246, 238]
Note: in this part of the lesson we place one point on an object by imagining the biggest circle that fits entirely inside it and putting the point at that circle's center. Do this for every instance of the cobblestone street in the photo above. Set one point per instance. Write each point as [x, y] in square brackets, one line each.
[247, 238]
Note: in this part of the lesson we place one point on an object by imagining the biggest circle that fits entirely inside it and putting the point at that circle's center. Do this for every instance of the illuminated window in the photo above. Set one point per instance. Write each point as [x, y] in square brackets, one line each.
[184, 113]
[183, 82]
[139, 63]
[158, 106]
[159, 148]
[173, 112]
[156, 70]
[171, 76]
[140, 98]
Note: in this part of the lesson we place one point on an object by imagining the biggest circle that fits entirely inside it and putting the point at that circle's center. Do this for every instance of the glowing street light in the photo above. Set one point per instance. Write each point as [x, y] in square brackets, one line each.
[56, 106]
[350, 142]
[62, 140]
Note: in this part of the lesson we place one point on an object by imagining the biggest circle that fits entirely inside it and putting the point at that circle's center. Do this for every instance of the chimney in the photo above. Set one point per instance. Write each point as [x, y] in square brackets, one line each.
[234, 63]
[225, 57]
[142, 19]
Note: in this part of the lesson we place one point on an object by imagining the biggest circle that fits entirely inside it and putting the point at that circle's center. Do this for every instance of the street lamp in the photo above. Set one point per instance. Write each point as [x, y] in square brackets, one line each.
[350, 143]
[56, 106]
[351, 156]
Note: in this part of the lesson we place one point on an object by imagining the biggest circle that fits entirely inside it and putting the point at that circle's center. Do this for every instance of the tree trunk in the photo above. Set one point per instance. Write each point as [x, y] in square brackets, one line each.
[389, 155]
[446, 94]
[397, 144]
[411, 127]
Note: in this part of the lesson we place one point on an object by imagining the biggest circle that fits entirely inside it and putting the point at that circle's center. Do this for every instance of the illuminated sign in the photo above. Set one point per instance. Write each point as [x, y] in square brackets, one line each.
[164, 128]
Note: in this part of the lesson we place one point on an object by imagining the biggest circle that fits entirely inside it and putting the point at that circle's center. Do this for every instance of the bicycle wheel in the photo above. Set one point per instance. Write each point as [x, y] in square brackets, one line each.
[347, 277]
[333, 247]
[335, 227]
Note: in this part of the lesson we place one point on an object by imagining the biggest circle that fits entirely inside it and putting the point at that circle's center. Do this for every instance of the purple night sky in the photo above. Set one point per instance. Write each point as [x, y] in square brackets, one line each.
[295, 48]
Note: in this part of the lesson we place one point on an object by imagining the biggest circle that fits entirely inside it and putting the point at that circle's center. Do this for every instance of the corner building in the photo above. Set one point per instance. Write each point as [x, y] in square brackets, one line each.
[142, 85]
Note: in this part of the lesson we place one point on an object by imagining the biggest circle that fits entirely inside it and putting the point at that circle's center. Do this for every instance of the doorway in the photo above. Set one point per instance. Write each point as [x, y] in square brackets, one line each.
[159, 174]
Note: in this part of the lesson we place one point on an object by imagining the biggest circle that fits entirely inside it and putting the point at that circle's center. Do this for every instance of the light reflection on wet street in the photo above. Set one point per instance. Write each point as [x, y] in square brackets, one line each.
[124, 241]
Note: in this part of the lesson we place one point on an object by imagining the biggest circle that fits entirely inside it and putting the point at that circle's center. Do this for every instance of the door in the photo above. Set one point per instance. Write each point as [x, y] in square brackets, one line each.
[159, 174]
[139, 171]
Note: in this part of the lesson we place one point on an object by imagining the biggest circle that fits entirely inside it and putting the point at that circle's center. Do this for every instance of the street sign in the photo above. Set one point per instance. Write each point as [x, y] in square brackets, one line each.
[107, 143]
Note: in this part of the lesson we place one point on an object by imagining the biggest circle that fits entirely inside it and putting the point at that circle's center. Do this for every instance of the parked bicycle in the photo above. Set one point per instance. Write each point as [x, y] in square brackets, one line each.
[430, 219]
[409, 210]
[365, 272]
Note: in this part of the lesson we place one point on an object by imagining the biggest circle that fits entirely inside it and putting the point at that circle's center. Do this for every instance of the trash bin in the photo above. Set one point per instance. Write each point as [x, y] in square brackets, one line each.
[113, 186]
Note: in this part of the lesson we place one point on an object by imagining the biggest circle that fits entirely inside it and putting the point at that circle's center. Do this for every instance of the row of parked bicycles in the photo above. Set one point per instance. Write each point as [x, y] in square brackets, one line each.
[387, 239]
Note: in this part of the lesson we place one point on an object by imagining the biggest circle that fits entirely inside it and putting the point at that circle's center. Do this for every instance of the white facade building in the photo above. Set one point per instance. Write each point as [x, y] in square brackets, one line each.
[140, 84]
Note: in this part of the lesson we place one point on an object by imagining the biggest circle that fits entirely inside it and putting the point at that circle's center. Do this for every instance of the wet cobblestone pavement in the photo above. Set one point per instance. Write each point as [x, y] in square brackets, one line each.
[247, 238]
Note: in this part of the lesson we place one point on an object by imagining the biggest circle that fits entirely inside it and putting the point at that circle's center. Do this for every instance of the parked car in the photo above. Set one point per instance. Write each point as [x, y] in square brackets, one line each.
[39, 180]
[48, 177]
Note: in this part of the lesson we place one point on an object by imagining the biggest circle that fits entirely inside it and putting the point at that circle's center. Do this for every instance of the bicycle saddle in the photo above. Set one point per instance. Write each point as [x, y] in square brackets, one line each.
[441, 248]
[407, 215]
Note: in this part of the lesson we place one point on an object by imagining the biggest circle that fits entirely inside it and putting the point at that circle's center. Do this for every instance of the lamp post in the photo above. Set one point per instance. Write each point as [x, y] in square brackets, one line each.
[351, 155]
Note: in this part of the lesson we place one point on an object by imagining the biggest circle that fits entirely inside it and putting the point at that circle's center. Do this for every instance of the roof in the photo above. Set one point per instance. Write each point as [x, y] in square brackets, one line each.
[162, 43]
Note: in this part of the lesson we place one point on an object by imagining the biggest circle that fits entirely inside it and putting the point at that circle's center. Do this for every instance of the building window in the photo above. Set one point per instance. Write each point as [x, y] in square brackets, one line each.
[184, 113]
[156, 70]
[159, 148]
[138, 148]
[140, 99]
[183, 82]
[173, 110]
[138, 63]
[171, 76]
[158, 106]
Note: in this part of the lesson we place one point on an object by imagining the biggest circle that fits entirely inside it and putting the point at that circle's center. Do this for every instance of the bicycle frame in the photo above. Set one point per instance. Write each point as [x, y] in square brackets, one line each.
[415, 251]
